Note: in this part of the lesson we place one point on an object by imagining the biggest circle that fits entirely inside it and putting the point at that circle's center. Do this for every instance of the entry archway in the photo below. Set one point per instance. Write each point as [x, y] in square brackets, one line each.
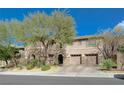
[60, 59]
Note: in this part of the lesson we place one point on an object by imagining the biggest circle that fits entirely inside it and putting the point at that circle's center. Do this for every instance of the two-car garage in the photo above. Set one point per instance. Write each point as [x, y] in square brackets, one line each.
[90, 59]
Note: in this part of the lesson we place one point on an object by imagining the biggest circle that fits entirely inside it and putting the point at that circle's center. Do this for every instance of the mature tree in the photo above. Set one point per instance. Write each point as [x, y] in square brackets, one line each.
[7, 52]
[4, 41]
[4, 33]
[111, 41]
[48, 30]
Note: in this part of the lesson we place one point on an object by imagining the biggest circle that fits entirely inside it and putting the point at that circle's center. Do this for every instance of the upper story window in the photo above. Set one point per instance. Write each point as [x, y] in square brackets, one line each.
[76, 43]
[91, 43]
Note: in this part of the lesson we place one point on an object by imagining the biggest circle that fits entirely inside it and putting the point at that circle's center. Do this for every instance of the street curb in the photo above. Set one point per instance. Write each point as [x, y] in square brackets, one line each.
[63, 75]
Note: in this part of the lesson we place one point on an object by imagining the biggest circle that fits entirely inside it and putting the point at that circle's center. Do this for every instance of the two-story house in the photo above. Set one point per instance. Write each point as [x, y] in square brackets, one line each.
[83, 50]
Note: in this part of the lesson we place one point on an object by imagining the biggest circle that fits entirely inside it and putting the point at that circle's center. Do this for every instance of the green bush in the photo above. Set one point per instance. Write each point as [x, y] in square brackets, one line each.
[108, 64]
[20, 66]
[39, 64]
[45, 67]
[34, 62]
[30, 66]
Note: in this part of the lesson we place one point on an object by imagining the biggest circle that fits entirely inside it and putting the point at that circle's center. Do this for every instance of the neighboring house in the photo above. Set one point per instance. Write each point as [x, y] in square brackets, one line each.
[83, 51]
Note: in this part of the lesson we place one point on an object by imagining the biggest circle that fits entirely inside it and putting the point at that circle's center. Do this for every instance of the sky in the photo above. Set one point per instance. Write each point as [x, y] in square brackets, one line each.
[88, 20]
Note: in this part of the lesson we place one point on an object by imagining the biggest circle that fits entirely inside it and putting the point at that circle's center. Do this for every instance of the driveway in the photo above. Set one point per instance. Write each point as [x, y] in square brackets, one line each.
[83, 71]
[79, 69]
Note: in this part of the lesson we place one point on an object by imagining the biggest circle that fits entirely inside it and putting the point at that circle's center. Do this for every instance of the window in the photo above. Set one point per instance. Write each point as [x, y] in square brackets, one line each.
[77, 43]
[91, 43]
[51, 55]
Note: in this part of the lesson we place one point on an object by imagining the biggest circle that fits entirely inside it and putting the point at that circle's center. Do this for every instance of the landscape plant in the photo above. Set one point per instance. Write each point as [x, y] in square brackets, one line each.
[8, 51]
[108, 64]
[110, 42]
[45, 67]
[32, 64]
[48, 31]
[5, 54]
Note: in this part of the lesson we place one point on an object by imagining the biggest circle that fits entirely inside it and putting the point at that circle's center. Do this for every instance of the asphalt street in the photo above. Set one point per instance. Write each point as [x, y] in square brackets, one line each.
[54, 80]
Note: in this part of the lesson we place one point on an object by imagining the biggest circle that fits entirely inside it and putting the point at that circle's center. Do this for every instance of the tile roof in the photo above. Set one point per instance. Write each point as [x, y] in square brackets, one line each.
[88, 37]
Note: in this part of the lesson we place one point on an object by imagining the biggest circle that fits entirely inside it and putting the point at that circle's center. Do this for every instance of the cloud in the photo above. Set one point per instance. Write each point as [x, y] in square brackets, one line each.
[120, 25]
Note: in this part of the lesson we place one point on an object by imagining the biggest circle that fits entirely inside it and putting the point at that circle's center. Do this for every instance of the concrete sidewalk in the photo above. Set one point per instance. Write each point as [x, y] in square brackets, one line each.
[98, 75]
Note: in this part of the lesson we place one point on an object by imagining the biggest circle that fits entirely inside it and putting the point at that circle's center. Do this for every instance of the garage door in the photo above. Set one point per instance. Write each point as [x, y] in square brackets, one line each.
[91, 59]
[75, 59]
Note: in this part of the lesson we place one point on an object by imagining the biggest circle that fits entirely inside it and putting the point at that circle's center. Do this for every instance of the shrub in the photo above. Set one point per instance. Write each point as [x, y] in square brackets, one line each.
[39, 64]
[108, 64]
[30, 66]
[34, 62]
[45, 67]
[19, 66]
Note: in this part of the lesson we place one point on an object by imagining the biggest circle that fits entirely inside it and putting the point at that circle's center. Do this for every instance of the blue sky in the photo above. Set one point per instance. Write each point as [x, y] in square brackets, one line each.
[88, 21]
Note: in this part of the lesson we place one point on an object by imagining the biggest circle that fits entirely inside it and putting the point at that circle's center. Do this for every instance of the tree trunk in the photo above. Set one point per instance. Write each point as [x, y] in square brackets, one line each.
[15, 62]
[45, 56]
[6, 62]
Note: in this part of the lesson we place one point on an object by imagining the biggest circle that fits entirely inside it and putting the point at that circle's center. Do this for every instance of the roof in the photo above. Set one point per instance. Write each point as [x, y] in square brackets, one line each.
[88, 37]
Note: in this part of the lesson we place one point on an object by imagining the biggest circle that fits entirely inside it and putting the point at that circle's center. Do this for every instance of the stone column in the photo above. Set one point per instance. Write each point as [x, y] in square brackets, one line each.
[83, 58]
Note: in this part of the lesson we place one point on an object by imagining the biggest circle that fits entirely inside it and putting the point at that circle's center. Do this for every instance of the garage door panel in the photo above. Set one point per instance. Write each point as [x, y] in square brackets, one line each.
[91, 59]
[75, 60]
